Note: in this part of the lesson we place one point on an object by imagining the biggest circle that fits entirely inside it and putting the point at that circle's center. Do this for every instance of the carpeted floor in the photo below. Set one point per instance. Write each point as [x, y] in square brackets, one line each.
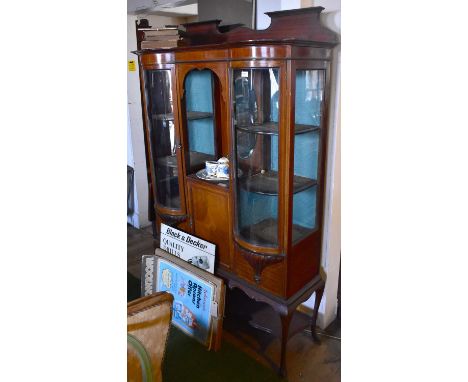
[188, 360]
[133, 287]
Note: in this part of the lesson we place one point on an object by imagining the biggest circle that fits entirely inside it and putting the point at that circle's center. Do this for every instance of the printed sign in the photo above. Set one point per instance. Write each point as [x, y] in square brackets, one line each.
[195, 251]
[148, 284]
[131, 66]
[191, 311]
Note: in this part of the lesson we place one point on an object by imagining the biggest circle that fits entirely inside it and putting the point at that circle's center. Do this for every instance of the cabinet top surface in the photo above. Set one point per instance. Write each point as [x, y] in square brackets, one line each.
[299, 27]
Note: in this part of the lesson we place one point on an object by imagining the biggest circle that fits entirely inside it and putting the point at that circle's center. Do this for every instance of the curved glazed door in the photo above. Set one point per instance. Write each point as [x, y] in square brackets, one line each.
[257, 130]
[164, 142]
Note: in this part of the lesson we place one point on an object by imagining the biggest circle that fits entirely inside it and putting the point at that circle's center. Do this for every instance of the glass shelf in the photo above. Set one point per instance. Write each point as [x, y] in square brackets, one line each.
[265, 232]
[267, 183]
[196, 159]
[191, 115]
[271, 128]
[169, 161]
[171, 200]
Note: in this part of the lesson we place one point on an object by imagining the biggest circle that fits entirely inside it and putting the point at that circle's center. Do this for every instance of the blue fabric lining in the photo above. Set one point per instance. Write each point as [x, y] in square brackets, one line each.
[198, 90]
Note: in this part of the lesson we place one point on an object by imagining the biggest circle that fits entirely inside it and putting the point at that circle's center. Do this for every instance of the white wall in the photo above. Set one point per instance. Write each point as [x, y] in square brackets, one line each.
[263, 21]
[332, 235]
[130, 161]
[136, 128]
[133, 219]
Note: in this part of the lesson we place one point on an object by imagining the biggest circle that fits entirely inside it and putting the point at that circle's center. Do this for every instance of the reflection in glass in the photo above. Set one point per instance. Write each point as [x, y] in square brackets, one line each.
[256, 106]
[308, 118]
[162, 137]
[199, 89]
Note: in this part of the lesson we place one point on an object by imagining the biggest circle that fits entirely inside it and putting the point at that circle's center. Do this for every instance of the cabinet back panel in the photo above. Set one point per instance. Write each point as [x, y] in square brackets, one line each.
[199, 98]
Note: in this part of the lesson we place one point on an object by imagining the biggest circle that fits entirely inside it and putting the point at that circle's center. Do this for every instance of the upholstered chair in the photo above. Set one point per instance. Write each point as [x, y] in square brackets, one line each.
[148, 322]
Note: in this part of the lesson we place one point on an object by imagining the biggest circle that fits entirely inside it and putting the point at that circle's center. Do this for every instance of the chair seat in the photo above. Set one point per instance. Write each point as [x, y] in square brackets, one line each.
[148, 322]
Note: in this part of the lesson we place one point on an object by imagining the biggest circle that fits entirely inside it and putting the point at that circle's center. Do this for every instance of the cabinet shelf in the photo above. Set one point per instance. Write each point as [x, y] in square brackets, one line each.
[266, 232]
[168, 161]
[168, 178]
[271, 128]
[171, 200]
[267, 183]
[196, 159]
[191, 115]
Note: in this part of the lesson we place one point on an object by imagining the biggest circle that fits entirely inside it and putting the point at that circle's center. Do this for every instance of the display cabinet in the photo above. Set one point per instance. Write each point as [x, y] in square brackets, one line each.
[260, 99]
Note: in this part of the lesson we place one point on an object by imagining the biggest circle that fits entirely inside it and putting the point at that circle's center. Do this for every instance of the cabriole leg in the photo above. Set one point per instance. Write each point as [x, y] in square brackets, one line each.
[318, 299]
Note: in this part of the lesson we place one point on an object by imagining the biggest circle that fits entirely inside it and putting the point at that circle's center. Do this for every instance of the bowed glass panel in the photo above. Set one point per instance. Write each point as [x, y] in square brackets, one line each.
[309, 98]
[160, 117]
[256, 98]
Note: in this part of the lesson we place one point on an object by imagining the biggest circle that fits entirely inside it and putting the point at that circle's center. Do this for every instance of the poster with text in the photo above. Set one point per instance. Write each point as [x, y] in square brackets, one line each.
[191, 311]
[192, 249]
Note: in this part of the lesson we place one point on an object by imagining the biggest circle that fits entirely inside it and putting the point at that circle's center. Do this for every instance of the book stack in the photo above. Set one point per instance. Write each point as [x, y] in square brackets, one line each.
[160, 38]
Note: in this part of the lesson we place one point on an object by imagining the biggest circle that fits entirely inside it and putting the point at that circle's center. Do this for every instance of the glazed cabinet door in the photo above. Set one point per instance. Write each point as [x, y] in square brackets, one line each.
[164, 141]
[258, 129]
[202, 92]
[199, 119]
[308, 140]
[310, 84]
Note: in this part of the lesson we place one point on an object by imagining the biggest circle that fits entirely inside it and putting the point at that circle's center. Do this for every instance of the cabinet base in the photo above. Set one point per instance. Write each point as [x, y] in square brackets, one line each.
[244, 314]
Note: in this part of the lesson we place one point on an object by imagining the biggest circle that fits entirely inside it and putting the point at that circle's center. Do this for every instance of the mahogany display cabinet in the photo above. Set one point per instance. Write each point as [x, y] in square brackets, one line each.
[261, 99]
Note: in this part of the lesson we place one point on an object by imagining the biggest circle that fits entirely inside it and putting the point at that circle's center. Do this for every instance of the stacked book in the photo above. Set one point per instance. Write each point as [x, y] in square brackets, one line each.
[159, 38]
